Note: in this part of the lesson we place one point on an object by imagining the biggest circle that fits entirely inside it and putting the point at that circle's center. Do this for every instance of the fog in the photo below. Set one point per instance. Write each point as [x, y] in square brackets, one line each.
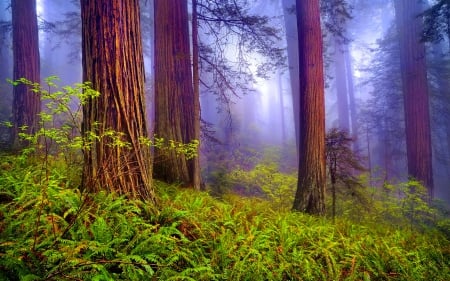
[252, 114]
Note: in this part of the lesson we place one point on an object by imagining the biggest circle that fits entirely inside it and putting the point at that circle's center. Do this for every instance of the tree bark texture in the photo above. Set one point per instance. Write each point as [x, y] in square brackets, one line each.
[113, 62]
[26, 104]
[310, 195]
[196, 178]
[415, 91]
[176, 108]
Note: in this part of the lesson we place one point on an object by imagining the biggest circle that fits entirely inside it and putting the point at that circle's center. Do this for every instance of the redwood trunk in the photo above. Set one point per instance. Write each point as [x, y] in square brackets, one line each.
[195, 163]
[113, 62]
[26, 104]
[415, 92]
[310, 195]
[176, 110]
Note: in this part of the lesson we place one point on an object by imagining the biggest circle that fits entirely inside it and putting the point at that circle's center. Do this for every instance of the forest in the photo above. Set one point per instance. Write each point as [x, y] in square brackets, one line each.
[224, 140]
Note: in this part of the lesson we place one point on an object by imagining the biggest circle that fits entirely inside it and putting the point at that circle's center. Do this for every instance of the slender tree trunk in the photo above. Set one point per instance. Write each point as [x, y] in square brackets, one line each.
[195, 163]
[176, 111]
[351, 95]
[26, 104]
[310, 195]
[113, 62]
[292, 52]
[415, 92]
[341, 86]
[282, 109]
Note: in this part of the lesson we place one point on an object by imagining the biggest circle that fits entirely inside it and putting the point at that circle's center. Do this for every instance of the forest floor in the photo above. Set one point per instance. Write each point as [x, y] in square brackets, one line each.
[51, 230]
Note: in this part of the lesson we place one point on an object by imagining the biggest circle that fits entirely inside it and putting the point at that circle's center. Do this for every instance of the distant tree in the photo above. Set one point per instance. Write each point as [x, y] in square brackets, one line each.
[415, 91]
[290, 22]
[176, 109]
[226, 27]
[336, 15]
[383, 115]
[310, 195]
[113, 61]
[437, 22]
[26, 104]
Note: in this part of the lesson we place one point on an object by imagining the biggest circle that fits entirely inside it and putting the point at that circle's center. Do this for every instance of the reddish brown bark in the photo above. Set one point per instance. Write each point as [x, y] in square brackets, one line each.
[26, 104]
[195, 166]
[177, 109]
[310, 195]
[415, 92]
[113, 62]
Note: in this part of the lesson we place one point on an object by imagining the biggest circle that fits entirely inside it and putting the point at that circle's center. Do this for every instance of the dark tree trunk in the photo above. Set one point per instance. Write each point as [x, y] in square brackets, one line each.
[113, 62]
[310, 195]
[415, 92]
[195, 163]
[176, 108]
[26, 104]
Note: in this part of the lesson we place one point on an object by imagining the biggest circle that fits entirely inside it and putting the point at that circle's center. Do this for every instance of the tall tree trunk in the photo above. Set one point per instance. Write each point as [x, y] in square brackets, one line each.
[341, 86]
[292, 52]
[415, 92]
[310, 195]
[26, 104]
[175, 110]
[195, 163]
[282, 109]
[113, 62]
[351, 94]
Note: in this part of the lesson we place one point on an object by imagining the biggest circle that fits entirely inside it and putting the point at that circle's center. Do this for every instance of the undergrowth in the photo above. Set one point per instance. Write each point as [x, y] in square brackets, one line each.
[50, 230]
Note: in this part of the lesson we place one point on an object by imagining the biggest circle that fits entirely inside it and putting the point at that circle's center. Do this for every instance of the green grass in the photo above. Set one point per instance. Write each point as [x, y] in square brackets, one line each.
[50, 230]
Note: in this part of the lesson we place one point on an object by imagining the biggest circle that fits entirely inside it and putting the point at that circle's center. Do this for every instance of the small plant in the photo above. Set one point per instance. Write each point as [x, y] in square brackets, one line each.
[268, 180]
[343, 164]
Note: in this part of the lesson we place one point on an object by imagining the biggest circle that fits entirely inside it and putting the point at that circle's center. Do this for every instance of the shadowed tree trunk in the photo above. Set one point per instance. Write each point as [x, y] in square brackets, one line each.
[195, 163]
[113, 62]
[310, 195]
[176, 106]
[26, 104]
[415, 91]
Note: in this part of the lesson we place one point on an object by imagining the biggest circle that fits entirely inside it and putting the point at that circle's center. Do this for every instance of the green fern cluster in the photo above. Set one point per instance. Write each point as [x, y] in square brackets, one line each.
[50, 230]
[247, 239]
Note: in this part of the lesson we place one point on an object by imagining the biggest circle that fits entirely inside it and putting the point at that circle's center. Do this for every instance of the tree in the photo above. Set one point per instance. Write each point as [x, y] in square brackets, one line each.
[26, 104]
[196, 178]
[437, 22]
[383, 115]
[310, 195]
[415, 92]
[292, 57]
[175, 102]
[115, 123]
[342, 163]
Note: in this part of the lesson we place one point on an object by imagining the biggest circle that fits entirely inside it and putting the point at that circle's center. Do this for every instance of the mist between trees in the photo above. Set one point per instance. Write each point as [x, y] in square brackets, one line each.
[224, 140]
